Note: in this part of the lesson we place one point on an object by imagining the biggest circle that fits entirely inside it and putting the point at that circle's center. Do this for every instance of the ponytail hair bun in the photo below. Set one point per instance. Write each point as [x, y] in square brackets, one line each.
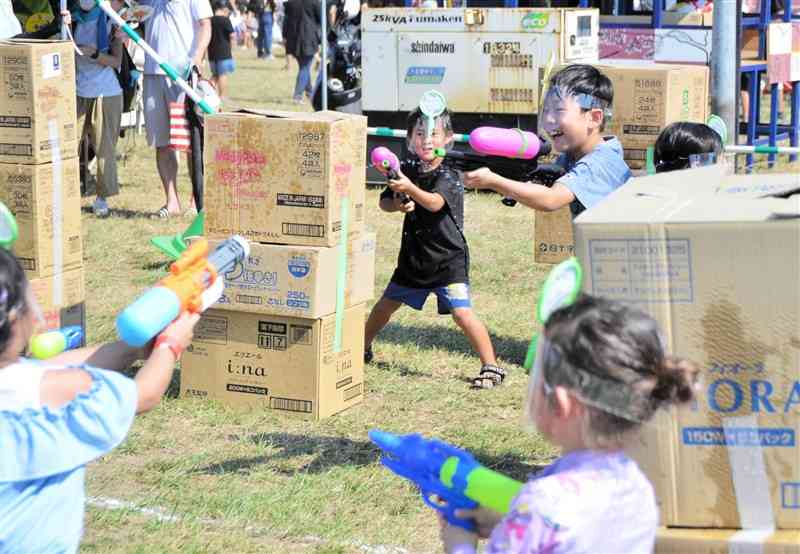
[676, 382]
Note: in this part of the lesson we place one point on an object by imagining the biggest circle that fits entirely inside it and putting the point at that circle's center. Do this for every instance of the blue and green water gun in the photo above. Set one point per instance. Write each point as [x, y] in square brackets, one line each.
[448, 478]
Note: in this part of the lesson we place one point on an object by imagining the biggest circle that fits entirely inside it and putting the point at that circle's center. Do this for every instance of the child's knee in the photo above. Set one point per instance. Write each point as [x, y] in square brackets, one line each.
[463, 316]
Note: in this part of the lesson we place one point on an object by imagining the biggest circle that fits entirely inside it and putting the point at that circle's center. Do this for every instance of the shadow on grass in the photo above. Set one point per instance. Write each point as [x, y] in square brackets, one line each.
[402, 370]
[157, 265]
[451, 338]
[329, 452]
[124, 213]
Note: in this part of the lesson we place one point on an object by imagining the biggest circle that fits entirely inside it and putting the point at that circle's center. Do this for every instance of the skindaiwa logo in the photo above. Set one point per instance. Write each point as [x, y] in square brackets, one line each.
[433, 47]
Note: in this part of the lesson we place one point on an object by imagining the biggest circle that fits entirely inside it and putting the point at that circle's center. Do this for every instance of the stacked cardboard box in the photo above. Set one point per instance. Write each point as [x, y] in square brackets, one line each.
[288, 332]
[715, 258]
[39, 177]
[647, 98]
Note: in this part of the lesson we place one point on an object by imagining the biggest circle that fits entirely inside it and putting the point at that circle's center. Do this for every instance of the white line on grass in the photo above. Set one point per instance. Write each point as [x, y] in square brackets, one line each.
[164, 515]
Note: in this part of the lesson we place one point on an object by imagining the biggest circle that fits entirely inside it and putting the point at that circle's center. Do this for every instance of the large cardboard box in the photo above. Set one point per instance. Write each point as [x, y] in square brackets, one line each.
[715, 258]
[282, 177]
[299, 281]
[61, 298]
[47, 205]
[726, 541]
[37, 101]
[648, 97]
[553, 234]
[282, 363]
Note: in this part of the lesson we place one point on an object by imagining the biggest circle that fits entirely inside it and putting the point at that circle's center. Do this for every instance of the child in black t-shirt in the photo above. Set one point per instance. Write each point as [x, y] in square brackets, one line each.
[433, 254]
[220, 57]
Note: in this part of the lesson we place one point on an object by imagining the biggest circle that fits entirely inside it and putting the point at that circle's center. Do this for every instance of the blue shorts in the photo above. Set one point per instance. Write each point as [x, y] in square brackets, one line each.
[447, 298]
[222, 67]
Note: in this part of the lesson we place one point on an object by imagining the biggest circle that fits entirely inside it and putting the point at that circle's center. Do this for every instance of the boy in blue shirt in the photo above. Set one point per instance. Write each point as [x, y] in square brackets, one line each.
[574, 113]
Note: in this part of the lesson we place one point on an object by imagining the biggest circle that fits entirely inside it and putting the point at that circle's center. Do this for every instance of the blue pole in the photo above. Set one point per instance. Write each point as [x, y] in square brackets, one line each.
[724, 88]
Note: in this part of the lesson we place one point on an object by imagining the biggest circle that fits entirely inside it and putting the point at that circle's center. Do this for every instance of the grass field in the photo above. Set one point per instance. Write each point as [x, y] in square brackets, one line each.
[255, 481]
[195, 476]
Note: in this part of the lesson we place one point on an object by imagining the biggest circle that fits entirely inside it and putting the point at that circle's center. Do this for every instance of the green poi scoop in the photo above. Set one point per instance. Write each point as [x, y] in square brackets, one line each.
[432, 105]
[8, 227]
[560, 289]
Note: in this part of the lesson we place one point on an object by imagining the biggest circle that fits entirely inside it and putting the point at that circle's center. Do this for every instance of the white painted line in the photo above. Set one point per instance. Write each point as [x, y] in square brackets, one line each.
[164, 515]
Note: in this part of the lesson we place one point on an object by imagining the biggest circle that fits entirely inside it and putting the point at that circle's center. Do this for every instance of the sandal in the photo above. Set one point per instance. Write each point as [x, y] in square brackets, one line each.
[489, 377]
[162, 213]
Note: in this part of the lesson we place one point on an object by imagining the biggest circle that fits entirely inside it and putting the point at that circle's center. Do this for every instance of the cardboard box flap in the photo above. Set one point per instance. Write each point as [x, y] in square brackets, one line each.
[716, 209]
[766, 185]
[328, 116]
[32, 41]
[701, 195]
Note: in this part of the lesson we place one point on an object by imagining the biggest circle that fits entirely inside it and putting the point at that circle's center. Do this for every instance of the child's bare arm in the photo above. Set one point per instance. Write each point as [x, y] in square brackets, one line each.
[538, 197]
[154, 377]
[431, 201]
[114, 355]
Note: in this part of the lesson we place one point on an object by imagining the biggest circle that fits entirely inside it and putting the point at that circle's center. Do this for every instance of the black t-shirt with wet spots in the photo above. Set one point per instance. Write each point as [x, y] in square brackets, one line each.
[434, 251]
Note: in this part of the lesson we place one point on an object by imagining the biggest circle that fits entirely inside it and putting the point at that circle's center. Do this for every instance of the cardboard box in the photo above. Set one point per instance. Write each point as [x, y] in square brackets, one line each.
[750, 38]
[61, 298]
[37, 101]
[715, 258]
[277, 362]
[299, 281]
[649, 97]
[281, 176]
[554, 240]
[725, 541]
[50, 237]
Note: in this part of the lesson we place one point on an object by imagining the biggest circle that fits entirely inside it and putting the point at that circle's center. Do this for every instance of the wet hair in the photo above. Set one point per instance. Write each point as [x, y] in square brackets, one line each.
[416, 115]
[621, 349]
[586, 79]
[13, 289]
[682, 139]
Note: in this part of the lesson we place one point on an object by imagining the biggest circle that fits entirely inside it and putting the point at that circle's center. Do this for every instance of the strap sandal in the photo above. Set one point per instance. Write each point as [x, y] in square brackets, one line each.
[489, 377]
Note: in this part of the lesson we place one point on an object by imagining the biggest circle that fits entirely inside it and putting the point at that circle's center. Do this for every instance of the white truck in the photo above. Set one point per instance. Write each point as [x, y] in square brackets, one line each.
[487, 62]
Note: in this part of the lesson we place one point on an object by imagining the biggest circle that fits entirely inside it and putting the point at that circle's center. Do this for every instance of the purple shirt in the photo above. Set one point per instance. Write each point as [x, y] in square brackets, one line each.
[588, 501]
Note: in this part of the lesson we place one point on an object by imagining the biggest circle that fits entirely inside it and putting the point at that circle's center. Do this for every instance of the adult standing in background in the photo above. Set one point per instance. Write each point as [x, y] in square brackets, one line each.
[263, 11]
[265, 24]
[291, 17]
[99, 92]
[179, 31]
[309, 38]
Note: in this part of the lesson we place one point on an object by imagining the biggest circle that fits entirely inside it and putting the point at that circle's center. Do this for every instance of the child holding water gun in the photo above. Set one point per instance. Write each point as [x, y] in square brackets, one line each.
[684, 144]
[600, 373]
[574, 113]
[434, 257]
[57, 416]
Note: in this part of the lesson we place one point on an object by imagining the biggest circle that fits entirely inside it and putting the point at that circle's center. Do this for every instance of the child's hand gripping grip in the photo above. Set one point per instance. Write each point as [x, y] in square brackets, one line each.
[508, 143]
[384, 158]
[185, 289]
[423, 462]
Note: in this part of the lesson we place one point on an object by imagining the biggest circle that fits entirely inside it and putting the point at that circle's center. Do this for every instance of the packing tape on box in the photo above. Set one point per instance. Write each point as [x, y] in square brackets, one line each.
[750, 485]
[57, 215]
[341, 273]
